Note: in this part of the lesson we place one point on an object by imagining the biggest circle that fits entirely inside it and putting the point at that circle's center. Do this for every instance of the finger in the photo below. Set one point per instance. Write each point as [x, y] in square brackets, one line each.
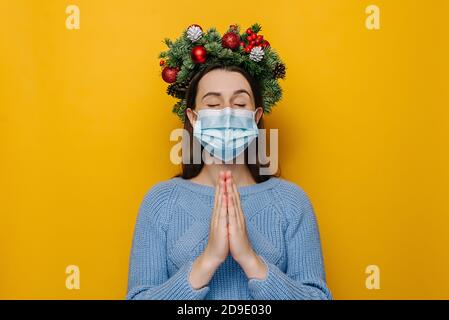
[222, 176]
[221, 181]
[228, 174]
[215, 209]
[229, 185]
[232, 214]
[236, 198]
[238, 204]
[223, 212]
[219, 203]
[217, 191]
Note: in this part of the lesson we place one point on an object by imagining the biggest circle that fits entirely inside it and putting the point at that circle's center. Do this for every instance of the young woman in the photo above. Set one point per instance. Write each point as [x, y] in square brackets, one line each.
[224, 230]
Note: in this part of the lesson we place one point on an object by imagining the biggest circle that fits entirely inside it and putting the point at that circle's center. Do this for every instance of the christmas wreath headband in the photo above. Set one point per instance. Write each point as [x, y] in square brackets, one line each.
[195, 50]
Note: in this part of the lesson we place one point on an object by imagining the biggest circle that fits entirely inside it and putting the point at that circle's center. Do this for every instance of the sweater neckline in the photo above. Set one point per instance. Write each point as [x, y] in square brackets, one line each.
[243, 190]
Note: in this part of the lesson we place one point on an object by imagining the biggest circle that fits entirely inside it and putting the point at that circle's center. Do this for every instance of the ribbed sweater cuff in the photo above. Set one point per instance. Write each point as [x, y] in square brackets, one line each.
[177, 287]
[180, 287]
[279, 286]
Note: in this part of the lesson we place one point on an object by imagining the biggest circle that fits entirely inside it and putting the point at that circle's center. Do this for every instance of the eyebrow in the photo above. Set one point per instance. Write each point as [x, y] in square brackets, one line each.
[219, 93]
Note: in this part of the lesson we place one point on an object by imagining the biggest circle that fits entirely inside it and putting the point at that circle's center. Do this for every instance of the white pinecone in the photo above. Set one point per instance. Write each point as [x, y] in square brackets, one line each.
[194, 33]
[256, 54]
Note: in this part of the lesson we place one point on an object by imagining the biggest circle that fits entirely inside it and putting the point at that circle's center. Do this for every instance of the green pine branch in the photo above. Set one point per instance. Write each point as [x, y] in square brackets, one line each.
[179, 55]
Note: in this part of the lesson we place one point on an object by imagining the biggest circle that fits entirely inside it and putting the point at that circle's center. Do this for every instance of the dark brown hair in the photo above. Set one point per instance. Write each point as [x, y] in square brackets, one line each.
[190, 169]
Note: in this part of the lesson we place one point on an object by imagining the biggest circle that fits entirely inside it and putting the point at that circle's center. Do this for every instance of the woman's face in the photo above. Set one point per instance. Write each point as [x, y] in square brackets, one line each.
[219, 88]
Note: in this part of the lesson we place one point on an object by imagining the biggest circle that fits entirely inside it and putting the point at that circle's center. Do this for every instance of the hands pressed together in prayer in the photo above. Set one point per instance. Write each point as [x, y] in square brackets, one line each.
[227, 234]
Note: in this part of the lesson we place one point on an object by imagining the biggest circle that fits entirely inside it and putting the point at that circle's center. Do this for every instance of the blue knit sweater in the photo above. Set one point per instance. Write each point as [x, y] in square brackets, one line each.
[172, 230]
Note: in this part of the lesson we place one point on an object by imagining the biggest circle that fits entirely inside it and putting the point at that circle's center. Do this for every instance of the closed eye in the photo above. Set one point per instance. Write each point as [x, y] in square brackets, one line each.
[213, 105]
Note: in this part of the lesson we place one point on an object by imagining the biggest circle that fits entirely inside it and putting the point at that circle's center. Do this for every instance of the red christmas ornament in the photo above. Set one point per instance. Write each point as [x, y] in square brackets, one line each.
[169, 74]
[230, 40]
[199, 54]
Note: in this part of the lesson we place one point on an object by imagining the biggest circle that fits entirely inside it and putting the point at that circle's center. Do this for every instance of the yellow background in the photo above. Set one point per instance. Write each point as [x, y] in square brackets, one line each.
[85, 123]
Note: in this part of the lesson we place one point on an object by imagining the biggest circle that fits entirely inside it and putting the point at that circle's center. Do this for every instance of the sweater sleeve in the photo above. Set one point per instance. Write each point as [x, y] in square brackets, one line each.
[148, 275]
[304, 278]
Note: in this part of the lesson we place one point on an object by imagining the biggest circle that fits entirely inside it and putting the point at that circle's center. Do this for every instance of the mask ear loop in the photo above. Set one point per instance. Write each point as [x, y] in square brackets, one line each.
[196, 113]
[254, 116]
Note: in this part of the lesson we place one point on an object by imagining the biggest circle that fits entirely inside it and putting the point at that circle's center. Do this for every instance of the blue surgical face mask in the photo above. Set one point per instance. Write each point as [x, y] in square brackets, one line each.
[225, 133]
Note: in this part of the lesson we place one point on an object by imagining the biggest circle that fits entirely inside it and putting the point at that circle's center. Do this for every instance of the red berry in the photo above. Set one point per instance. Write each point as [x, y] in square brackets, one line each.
[249, 31]
[161, 63]
[247, 49]
[260, 38]
[254, 36]
[253, 43]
